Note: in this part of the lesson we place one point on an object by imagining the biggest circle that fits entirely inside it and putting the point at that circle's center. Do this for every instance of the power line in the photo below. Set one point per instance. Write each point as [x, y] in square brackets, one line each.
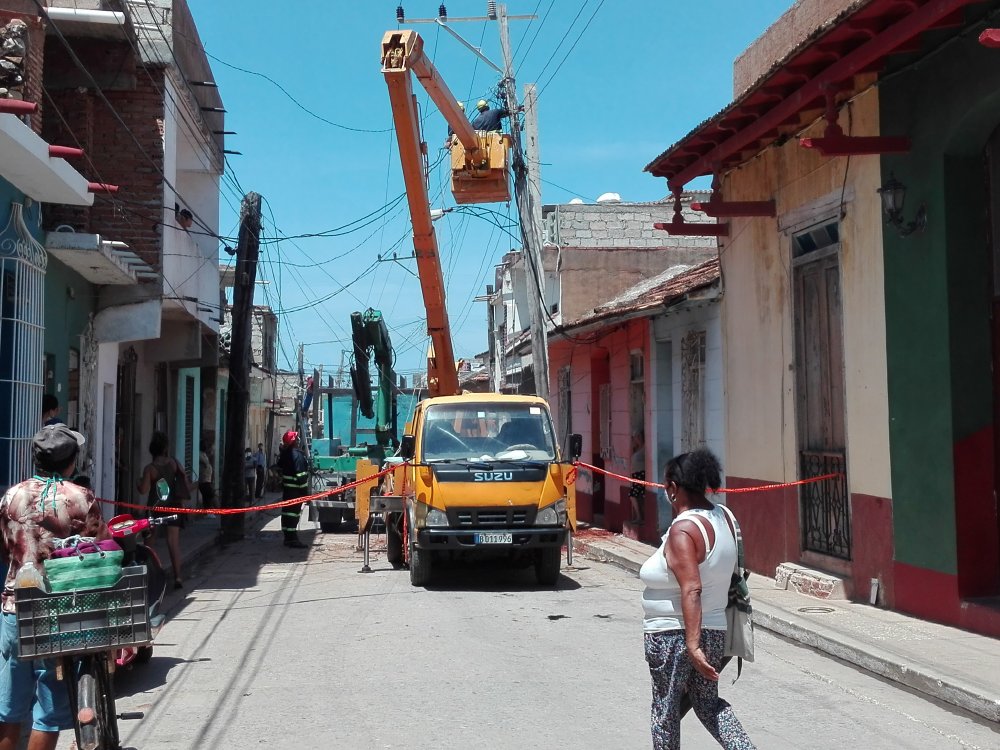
[570, 50]
[295, 101]
[537, 31]
[565, 35]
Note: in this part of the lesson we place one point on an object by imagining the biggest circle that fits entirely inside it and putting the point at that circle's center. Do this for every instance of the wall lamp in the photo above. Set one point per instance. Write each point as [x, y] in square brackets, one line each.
[893, 195]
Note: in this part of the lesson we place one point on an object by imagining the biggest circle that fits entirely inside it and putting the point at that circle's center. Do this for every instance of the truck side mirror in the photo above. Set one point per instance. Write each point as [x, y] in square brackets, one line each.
[575, 446]
[407, 446]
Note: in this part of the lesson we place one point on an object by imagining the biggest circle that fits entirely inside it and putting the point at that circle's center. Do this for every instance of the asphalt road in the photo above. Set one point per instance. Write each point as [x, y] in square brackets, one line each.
[295, 649]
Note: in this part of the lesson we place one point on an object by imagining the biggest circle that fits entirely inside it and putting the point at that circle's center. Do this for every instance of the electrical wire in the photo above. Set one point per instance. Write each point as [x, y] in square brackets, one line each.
[537, 31]
[295, 101]
[565, 35]
[569, 51]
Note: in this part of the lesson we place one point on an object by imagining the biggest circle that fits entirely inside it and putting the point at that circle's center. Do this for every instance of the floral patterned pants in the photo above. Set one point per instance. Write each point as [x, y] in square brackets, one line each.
[673, 676]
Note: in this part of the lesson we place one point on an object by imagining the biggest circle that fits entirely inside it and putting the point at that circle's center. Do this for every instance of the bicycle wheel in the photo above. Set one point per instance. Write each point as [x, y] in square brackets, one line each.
[95, 719]
[106, 698]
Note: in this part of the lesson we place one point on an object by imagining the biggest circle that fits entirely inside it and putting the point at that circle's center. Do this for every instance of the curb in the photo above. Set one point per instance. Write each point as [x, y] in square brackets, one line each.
[918, 678]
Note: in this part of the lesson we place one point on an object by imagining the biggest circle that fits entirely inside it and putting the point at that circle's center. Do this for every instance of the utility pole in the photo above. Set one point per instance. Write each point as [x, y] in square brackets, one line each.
[238, 396]
[531, 229]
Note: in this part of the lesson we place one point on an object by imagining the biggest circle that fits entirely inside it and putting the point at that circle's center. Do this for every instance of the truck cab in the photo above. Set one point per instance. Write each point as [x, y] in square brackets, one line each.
[485, 476]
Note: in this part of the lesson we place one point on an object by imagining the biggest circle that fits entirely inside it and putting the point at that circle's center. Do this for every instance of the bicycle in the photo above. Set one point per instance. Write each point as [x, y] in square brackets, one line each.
[83, 631]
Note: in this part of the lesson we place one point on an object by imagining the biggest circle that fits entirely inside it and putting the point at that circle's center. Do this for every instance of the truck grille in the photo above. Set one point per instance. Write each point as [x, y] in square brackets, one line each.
[491, 517]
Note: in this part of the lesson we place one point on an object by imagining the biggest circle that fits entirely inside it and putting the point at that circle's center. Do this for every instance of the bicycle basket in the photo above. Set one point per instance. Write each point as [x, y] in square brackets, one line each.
[77, 622]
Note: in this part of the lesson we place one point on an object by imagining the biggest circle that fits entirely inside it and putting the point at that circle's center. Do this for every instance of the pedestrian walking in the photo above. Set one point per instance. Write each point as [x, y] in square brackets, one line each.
[50, 410]
[636, 491]
[205, 475]
[32, 515]
[160, 467]
[294, 483]
[260, 464]
[250, 474]
[684, 604]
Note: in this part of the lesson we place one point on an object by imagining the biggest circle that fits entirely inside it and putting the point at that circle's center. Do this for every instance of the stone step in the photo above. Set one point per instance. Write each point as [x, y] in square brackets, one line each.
[810, 582]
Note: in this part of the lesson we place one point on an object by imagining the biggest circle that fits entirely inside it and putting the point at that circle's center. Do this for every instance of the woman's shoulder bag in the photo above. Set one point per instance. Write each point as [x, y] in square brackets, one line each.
[739, 612]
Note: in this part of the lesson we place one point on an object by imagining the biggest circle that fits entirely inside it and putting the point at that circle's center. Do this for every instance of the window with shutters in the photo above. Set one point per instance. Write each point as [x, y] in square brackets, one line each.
[693, 390]
[565, 407]
[189, 395]
[605, 417]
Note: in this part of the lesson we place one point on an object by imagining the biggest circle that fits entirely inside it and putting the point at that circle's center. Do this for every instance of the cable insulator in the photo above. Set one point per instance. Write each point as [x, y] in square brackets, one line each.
[400, 14]
[491, 10]
[442, 12]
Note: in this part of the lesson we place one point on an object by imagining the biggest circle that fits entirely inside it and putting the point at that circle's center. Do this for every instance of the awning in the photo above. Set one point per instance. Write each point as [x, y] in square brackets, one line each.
[99, 261]
[794, 91]
[96, 24]
[26, 164]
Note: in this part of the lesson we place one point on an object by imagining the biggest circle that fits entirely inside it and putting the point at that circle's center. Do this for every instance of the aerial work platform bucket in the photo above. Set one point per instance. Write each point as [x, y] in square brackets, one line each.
[483, 177]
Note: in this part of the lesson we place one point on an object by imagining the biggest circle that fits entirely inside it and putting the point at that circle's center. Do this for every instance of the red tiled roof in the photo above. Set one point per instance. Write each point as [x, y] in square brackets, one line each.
[652, 295]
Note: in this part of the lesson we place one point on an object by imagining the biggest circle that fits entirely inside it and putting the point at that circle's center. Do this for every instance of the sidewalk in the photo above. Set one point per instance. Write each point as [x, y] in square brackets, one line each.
[201, 536]
[945, 663]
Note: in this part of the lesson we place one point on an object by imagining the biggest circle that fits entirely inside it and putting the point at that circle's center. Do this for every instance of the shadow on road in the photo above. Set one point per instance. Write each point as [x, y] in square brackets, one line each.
[141, 678]
[488, 575]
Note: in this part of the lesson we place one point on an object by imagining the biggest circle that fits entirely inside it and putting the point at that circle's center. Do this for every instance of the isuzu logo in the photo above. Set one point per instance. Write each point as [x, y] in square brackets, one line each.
[493, 476]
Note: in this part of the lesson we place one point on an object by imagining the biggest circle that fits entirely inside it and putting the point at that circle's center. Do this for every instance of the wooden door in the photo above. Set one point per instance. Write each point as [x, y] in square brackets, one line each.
[819, 363]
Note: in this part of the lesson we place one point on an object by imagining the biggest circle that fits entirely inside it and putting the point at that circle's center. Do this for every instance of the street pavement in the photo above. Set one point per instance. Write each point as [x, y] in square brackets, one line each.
[942, 662]
[288, 649]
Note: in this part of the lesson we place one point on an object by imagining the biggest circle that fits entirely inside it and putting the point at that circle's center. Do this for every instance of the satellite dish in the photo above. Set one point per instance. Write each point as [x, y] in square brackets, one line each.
[609, 198]
[576, 201]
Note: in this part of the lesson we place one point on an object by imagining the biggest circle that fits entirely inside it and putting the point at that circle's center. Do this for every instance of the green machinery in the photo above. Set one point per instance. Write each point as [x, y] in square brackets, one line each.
[371, 341]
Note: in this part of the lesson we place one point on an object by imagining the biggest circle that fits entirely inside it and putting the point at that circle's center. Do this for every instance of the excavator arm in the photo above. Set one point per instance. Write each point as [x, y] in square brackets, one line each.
[370, 336]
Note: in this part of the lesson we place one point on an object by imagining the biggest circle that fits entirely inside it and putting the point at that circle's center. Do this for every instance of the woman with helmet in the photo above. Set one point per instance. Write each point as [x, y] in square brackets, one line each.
[294, 483]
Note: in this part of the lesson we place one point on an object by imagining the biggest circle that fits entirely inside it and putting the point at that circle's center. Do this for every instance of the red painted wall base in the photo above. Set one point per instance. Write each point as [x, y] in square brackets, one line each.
[934, 596]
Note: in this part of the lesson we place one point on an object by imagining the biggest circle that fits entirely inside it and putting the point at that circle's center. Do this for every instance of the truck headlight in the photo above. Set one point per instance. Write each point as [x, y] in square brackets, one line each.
[428, 517]
[552, 515]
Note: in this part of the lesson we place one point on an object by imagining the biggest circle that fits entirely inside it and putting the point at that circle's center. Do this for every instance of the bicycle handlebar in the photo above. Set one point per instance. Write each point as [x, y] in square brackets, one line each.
[161, 520]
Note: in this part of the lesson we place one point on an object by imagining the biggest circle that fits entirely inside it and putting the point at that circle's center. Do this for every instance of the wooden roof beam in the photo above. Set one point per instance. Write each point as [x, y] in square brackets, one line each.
[885, 42]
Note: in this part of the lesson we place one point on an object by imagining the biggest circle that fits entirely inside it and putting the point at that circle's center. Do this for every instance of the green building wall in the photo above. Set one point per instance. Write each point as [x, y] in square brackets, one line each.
[938, 297]
[69, 300]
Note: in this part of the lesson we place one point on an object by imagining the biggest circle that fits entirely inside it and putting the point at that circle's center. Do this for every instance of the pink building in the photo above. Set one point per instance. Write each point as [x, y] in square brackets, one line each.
[639, 377]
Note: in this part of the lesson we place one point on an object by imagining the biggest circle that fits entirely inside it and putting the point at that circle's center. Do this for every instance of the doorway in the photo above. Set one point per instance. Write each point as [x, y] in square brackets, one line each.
[824, 516]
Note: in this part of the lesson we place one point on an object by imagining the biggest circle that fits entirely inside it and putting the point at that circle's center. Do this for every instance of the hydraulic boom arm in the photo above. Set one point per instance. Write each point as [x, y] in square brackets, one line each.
[402, 52]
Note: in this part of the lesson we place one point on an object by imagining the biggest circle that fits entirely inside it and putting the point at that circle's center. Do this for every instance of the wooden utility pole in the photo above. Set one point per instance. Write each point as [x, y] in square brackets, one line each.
[531, 228]
[233, 487]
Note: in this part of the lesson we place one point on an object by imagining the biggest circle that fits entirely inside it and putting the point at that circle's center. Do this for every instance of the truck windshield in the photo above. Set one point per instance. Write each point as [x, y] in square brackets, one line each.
[487, 432]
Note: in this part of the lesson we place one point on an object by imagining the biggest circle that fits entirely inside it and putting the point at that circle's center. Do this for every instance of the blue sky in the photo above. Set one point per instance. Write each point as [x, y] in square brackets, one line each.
[642, 74]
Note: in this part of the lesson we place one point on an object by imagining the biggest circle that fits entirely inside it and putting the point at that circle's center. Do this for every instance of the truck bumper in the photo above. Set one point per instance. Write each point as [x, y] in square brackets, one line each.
[465, 539]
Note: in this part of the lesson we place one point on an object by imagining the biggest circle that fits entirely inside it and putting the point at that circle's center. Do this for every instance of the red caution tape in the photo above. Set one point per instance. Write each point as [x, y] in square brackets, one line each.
[270, 506]
[720, 491]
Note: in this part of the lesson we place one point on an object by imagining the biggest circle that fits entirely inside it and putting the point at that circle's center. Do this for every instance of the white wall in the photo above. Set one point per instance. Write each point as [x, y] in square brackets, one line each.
[190, 258]
[673, 327]
[103, 481]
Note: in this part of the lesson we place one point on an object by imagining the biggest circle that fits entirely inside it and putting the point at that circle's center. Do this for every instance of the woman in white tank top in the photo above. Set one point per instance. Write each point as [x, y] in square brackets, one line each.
[684, 605]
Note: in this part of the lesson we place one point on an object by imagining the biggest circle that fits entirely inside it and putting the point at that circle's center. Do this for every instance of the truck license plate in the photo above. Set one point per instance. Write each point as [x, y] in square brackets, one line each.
[494, 538]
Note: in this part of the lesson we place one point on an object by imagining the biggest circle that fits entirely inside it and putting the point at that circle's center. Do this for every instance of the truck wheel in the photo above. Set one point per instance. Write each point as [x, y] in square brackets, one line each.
[333, 520]
[143, 654]
[394, 540]
[420, 567]
[547, 565]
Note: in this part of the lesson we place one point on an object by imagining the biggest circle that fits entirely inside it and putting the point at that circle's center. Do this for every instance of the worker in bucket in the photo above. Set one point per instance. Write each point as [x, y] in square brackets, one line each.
[488, 119]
